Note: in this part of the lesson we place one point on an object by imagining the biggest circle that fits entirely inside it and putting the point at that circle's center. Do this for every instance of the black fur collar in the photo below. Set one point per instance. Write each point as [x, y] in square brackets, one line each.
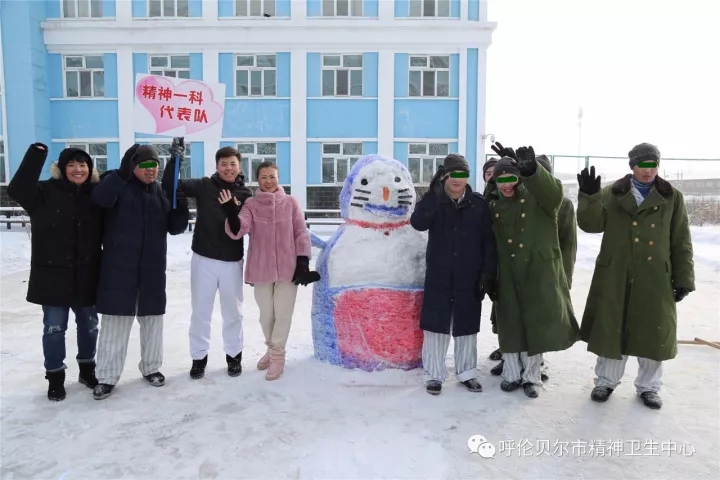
[622, 186]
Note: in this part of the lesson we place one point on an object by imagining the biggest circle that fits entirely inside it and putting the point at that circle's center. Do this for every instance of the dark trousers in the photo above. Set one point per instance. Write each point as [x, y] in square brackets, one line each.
[55, 321]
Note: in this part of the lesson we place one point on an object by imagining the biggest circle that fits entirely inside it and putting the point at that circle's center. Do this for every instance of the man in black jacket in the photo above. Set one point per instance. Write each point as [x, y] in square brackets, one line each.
[66, 234]
[461, 269]
[138, 219]
[217, 261]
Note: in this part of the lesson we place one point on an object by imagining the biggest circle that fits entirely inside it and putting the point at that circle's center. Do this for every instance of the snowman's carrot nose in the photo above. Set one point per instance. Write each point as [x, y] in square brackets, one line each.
[386, 193]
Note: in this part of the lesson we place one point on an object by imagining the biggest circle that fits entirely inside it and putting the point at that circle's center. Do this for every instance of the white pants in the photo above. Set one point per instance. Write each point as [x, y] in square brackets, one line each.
[434, 351]
[276, 302]
[208, 276]
[519, 367]
[609, 373]
[113, 345]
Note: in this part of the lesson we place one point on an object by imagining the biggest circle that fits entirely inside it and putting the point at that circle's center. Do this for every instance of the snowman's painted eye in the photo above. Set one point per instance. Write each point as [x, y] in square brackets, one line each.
[397, 179]
[364, 181]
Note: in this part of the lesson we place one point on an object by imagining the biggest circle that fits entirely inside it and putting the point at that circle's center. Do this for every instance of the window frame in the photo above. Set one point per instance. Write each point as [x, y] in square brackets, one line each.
[75, 3]
[263, 11]
[249, 172]
[336, 68]
[85, 146]
[162, 9]
[436, 7]
[168, 56]
[5, 171]
[185, 168]
[253, 68]
[84, 68]
[350, 3]
[437, 160]
[349, 158]
[428, 68]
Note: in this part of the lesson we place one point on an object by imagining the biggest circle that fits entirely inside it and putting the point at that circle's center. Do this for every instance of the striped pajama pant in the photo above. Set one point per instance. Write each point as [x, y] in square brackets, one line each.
[113, 345]
[609, 372]
[434, 351]
[520, 367]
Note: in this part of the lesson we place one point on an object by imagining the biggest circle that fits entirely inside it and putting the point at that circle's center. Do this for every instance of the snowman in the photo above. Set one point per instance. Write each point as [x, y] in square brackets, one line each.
[366, 307]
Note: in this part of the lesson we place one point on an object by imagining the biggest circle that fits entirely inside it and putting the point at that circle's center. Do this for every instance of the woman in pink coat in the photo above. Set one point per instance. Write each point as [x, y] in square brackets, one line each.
[278, 259]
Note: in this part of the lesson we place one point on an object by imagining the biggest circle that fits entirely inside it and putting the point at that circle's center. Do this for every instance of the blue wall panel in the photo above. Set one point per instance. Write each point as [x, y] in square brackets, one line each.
[109, 8]
[402, 8]
[226, 8]
[84, 118]
[401, 152]
[314, 163]
[282, 8]
[113, 155]
[371, 7]
[55, 75]
[471, 127]
[314, 69]
[284, 162]
[282, 76]
[196, 66]
[370, 74]
[140, 64]
[314, 8]
[53, 8]
[454, 75]
[340, 118]
[139, 8]
[256, 118]
[195, 8]
[197, 160]
[401, 74]
[53, 154]
[2, 126]
[474, 10]
[226, 73]
[426, 118]
[111, 75]
[371, 147]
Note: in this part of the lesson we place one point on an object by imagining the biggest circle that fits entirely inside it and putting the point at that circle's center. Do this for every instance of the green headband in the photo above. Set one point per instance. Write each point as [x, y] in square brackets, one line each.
[148, 164]
[510, 179]
[649, 164]
[459, 174]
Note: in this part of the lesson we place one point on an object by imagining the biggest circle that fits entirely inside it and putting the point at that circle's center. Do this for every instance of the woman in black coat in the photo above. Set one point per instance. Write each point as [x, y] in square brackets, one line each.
[66, 230]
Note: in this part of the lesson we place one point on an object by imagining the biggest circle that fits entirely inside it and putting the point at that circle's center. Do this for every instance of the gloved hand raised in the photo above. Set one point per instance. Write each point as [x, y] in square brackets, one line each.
[437, 184]
[587, 181]
[504, 151]
[126, 164]
[178, 148]
[526, 163]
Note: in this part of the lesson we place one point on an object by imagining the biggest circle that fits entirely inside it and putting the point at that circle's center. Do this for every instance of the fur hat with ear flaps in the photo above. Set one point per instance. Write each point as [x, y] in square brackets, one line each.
[57, 169]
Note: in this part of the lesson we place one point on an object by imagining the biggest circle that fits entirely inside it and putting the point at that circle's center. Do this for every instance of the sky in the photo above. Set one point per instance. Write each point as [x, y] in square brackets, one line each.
[642, 70]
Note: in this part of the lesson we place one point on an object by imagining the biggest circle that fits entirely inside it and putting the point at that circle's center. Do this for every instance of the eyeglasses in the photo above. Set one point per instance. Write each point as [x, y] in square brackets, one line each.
[647, 164]
[459, 175]
[148, 164]
[509, 179]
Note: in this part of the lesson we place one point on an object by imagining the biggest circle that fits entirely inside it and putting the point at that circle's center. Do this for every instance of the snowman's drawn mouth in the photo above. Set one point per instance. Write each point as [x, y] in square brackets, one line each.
[398, 211]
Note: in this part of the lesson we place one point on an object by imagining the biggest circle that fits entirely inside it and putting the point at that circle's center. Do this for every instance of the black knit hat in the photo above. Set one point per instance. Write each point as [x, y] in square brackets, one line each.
[490, 163]
[505, 165]
[643, 152]
[455, 162]
[545, 162]
[74, 154]
[145, 153]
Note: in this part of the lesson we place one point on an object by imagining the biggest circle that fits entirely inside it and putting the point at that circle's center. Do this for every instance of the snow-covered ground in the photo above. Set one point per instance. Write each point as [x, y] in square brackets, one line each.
[320, 421]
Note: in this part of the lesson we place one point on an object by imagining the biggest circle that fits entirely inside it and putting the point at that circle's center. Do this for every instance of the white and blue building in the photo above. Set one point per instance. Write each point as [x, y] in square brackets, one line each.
[311, 84]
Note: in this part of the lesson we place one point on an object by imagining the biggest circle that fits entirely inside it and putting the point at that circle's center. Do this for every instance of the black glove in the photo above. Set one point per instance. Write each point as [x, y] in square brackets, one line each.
[504, 151]
[526, 161]
[126, 164]
[681, 293]
[437, 184]
[309, 278]
[178, 148]
[588, 182]
[486, 286]
[181, 199]
[302, 267]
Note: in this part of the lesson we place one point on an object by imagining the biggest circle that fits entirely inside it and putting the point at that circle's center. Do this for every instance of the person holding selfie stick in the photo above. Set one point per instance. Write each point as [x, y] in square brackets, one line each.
[644, 267]
[534, 311]
[461, 269]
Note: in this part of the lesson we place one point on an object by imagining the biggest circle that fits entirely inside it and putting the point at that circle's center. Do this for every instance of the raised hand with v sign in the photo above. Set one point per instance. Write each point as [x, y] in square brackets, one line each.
[504, 151]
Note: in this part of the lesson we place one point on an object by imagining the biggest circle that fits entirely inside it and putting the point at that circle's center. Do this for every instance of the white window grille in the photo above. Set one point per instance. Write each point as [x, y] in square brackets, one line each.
[424, 159]
[337, 161]
[342, 75]
[429, 76]
[430, 8]
[253, 154]
[170, 65]
[168, 8]
[342, 8]
[254, 8]
[84, 76]
[82, 8]
[255, 76]
[97, 151]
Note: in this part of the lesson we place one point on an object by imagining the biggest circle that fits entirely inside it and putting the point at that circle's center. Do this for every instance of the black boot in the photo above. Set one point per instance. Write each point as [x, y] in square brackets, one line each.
[234, 365]
[498, 369]
[434, 387]
[473, 385]
[530, 390]
[496, 355]
[601, 394]
[156, 379]
[56, 385]
[651, 400]
[543, 373]
[198, 368]
[87, 374]
[510, 386]
[102, 390]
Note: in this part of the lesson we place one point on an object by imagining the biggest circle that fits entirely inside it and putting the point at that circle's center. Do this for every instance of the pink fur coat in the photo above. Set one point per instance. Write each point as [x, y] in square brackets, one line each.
[278, 235]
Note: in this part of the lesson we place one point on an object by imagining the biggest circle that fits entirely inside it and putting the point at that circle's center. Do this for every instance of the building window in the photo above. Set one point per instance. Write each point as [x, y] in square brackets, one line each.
[342, 8]
[254, 8]
[430, 8]
[253, 154]
[429, 76]
[163, 151]
[97, 151]
[338, 159]
[342, 75]
[255, 76]
[82, 8]
[423, 160]
[3, 171]
[168, 8]
[84, 76]
[170, 65]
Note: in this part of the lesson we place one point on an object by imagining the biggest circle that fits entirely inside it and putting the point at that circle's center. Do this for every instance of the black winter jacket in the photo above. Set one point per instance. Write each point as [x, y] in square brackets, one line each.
[66, 231]
[138, 218]
[461, 247]
[209, 237]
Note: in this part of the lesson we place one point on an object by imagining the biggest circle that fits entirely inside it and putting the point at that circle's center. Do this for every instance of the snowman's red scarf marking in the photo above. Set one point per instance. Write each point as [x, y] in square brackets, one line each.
[378, 226]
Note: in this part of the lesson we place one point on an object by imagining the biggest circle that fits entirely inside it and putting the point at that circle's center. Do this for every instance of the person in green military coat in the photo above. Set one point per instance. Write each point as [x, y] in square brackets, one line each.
[534, 311]
[567, 237]
[644, 267]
